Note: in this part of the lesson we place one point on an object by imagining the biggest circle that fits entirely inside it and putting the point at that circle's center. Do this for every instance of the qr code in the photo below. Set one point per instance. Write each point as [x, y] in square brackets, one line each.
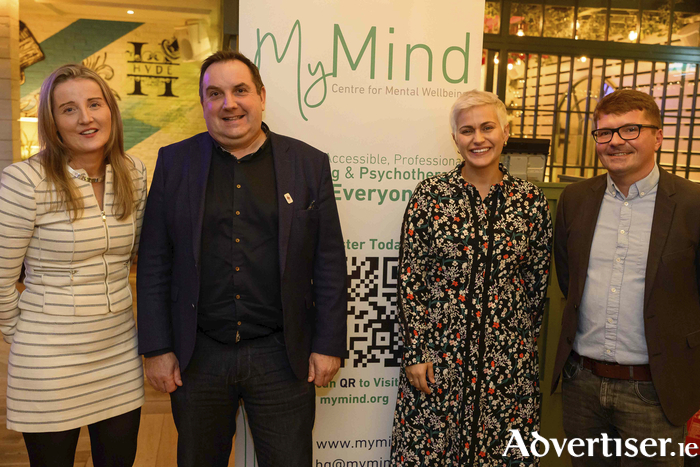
[373, 326]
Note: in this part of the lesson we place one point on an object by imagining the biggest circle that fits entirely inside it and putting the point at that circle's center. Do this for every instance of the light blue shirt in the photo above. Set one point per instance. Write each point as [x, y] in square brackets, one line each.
[611, 313]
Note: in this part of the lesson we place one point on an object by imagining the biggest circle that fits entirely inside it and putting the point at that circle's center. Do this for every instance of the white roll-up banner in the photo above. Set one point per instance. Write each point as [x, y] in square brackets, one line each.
[371, 83]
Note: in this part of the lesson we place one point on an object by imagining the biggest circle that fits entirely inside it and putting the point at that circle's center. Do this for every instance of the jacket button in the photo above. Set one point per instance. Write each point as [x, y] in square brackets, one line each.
[193, 306]
[568, 339]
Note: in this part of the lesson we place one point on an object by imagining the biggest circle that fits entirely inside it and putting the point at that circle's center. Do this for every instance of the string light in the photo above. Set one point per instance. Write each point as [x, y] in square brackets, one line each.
[633, 35]
[129, 12]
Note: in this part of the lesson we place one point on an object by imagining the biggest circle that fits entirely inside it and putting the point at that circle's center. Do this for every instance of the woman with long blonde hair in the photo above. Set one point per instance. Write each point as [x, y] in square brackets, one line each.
[72, 214]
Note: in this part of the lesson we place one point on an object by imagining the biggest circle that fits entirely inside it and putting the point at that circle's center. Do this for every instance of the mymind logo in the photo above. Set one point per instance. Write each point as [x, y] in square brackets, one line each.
[437, 61]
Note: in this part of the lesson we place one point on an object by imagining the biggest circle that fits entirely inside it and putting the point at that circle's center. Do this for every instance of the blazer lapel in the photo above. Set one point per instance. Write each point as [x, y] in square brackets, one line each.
[284, 174]
[198, 175]
[661, 223]
[588, 218]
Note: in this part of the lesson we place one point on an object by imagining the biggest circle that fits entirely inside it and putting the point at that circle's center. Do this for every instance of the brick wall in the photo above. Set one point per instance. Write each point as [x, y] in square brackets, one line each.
[9, 82]
[160, 106]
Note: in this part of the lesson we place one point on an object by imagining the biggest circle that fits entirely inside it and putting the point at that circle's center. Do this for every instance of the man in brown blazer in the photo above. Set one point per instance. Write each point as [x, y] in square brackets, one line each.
[627, 252]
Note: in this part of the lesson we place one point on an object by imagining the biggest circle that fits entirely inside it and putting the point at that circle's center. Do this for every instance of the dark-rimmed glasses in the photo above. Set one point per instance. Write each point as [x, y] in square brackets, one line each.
[626, 132]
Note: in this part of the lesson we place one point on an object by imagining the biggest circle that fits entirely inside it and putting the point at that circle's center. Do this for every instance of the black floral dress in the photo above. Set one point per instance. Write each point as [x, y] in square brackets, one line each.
[473, 277]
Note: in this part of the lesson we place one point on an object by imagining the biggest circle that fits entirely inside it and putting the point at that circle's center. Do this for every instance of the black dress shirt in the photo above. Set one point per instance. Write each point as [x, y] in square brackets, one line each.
[239, 283]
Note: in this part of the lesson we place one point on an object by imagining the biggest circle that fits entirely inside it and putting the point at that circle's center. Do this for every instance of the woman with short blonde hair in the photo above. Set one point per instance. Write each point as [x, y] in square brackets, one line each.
[473, 267]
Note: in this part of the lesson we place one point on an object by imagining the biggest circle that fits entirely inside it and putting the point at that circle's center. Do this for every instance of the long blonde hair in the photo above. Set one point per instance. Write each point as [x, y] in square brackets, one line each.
[54, 155]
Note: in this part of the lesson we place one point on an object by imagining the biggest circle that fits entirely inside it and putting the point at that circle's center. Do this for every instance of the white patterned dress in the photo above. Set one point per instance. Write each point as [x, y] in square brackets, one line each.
[74, 358]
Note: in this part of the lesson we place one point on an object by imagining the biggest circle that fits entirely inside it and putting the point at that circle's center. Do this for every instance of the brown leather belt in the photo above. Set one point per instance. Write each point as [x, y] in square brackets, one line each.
[613, 370]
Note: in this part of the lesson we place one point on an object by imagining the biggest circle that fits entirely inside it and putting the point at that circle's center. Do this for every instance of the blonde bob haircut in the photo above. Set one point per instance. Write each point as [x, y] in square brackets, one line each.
[475, 98]
[55, 155]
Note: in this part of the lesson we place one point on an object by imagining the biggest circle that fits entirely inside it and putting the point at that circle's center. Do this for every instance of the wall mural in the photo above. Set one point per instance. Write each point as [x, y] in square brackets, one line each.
[157, 69]
[141, 62]
[98, 64]
[29, 50]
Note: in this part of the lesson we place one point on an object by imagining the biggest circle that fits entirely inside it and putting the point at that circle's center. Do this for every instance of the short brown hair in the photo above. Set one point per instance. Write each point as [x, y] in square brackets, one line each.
[229, 56]
[627, 100]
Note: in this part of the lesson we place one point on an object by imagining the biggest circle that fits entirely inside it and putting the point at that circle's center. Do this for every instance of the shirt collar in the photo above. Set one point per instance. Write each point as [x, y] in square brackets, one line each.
[507, 177]
[456, 175]
[265, 130]
[640, 187]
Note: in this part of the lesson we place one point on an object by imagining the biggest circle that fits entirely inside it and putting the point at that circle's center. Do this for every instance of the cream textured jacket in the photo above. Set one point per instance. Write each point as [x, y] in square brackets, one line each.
[78, 268]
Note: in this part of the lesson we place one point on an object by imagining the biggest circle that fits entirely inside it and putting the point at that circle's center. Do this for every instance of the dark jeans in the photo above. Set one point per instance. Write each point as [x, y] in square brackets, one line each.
[621, 409]
[280, 407]
[112, 442]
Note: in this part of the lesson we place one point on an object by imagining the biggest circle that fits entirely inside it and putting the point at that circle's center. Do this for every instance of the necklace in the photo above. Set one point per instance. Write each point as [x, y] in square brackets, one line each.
[84, 177]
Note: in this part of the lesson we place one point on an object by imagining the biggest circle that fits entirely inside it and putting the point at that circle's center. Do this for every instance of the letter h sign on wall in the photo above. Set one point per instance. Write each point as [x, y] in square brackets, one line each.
[154, 68]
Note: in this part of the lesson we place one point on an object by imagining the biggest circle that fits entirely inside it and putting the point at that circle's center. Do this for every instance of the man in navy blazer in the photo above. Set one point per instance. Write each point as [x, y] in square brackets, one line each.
[241, 277]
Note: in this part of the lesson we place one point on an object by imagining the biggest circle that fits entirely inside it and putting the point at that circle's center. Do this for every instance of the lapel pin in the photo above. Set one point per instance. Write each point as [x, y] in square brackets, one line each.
[288, 197]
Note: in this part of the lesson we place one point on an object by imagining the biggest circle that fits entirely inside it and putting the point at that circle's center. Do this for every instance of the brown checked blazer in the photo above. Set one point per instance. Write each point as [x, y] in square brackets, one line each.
[672, 287]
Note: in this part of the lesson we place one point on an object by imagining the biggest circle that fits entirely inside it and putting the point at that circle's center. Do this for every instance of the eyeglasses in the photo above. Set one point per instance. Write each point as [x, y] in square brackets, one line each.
[626, 132]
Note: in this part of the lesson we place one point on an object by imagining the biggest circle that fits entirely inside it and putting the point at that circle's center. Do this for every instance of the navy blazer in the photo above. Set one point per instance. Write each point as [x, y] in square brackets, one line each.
[311, 252]
[671, 290]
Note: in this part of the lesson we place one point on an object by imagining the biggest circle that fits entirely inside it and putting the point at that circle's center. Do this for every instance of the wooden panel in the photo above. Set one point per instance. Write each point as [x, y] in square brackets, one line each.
[551, 418]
